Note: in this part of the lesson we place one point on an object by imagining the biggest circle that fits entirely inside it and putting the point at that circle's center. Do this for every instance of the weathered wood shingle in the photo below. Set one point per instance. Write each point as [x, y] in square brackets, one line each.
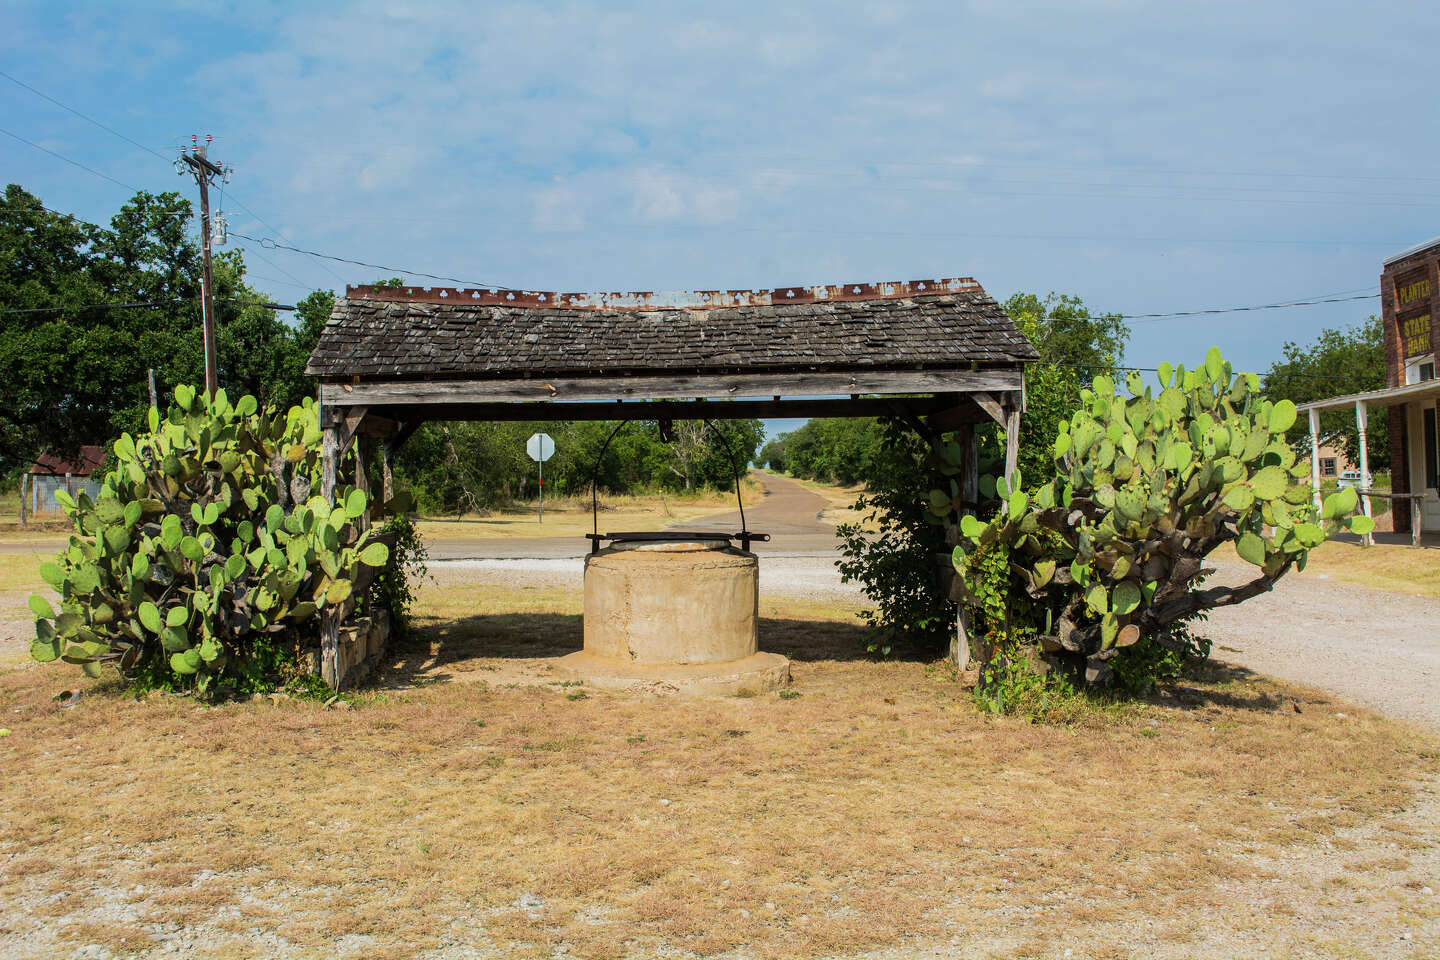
[373, 338]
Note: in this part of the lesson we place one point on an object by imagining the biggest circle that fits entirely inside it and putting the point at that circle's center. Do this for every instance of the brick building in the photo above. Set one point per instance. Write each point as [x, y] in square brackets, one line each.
[1409, 296]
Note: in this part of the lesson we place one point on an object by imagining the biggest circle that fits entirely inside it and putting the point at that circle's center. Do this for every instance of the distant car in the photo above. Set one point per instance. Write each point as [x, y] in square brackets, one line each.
[1350, 478]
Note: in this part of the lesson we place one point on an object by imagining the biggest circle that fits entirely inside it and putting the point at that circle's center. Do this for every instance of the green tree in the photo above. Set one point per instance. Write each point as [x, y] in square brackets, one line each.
[1075, 347]
[1337, 363]
[79, 374]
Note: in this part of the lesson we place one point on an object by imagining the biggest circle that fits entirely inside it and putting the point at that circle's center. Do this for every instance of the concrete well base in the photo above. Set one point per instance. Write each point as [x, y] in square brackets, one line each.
[757, 673]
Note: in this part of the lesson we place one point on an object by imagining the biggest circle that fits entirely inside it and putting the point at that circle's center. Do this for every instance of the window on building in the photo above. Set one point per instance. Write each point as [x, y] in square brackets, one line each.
[1327, 466]
[1427, 371]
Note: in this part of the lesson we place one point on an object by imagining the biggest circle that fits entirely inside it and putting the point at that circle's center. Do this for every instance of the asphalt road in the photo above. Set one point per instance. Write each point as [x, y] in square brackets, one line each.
[790, 513]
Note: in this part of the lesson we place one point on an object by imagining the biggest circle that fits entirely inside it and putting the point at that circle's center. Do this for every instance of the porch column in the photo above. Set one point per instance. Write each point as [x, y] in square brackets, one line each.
[1315, 455]
[1362, 422]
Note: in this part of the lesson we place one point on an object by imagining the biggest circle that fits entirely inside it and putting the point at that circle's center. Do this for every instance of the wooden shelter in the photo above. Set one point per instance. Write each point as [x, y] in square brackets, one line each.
[941, 354]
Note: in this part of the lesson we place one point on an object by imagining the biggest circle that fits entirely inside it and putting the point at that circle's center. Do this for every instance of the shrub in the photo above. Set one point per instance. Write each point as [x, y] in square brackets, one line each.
[896, 565]
[204, 557]
[1107, 559]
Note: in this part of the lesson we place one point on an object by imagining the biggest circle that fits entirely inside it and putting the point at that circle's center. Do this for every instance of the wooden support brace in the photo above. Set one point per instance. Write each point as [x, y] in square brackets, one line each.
[990, 405]
[349, 419]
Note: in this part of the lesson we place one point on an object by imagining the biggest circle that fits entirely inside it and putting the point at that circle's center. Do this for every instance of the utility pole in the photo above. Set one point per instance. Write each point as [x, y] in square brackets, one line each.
[198, 164]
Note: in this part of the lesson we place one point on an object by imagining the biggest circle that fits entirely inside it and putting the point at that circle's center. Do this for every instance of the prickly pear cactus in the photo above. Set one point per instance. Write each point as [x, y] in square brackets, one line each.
[203, 538]
[1151, 479]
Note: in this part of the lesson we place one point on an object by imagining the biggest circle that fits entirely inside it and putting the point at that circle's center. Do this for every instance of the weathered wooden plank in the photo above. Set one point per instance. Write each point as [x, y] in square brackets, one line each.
[1012, 442]
[697, 386]
[669, 409]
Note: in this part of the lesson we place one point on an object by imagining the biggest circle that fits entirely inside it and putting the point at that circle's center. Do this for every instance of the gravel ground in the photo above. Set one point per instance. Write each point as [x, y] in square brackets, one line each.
[1379, 649]
[1310, 629]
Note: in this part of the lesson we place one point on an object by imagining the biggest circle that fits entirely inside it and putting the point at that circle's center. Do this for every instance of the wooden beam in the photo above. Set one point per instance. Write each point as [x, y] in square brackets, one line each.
[410, 393]
[961, 416]
[662, 410]
[375, 425]
[922, 428]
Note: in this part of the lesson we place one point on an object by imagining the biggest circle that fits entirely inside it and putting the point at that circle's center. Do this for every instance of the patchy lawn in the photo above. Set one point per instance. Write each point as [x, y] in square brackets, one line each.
[1390, 566]
[467, 800]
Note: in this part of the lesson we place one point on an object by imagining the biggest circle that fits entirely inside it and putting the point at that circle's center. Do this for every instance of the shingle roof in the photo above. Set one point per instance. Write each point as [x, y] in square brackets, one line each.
[411, 334]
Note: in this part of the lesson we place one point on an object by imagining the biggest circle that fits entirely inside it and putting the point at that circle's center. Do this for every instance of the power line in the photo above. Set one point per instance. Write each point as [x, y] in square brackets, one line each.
[82, 116]
[1259, 306]
[270, 244]
[117, 133]
[144, 303]
[76, 163]
[261, 220]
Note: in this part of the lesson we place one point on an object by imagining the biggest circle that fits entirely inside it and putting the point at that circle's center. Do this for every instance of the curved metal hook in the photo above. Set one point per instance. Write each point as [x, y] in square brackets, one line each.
[595, 478]
[736, 464]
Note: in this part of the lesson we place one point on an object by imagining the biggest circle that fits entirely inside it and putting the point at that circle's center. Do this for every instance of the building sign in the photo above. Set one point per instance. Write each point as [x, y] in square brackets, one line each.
[1411, 293]
[1415, 334]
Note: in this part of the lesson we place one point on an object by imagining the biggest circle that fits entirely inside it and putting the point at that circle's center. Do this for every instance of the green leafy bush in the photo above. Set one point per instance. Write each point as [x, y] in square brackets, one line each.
[204, 551]
[896, 564]
[1108, 557]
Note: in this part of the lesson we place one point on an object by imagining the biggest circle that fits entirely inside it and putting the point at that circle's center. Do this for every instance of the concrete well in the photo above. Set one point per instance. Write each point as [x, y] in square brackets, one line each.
[674, 617]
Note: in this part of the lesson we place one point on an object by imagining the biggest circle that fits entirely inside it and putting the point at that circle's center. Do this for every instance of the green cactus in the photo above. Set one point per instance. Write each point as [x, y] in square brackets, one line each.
[203, 538]
[1145, 489]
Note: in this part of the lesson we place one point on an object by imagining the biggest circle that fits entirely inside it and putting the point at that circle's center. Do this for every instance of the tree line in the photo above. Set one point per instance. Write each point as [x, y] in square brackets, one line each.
[89, 312]
[1075, 346]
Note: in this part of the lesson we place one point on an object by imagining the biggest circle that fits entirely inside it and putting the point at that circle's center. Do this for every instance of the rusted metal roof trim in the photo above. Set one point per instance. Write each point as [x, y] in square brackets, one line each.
[663, 299]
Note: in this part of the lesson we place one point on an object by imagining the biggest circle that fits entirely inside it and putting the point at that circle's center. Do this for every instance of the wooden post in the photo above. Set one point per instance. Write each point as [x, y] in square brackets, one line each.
[970, 477]
[330, 621]
[1012, 442]
[1315, 455]
[24, 495]
[1415, 514]
[387, 480]
[1362, 422]
[362, 479]
[970, 495]
[960, 640]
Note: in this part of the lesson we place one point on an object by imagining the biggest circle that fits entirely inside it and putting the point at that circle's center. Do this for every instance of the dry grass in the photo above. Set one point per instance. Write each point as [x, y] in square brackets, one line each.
[571, 516]
[876, 808]
[1392, 567]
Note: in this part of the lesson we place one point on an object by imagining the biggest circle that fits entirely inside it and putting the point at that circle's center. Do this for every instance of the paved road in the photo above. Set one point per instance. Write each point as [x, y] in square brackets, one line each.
[789, 513]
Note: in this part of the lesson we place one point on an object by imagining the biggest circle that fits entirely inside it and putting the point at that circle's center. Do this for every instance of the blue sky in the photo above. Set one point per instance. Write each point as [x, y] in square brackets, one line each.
[1147, 157]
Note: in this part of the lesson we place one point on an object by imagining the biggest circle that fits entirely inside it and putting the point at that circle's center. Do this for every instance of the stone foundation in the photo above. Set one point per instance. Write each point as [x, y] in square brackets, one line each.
[362, 644]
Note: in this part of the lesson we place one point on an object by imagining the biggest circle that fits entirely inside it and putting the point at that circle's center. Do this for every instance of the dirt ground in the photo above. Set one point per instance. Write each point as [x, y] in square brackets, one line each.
[471, 806]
